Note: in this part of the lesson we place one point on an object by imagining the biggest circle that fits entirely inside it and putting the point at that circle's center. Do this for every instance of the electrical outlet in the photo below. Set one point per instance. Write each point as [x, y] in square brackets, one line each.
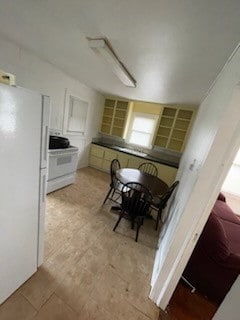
[192, 165]
[55, 132]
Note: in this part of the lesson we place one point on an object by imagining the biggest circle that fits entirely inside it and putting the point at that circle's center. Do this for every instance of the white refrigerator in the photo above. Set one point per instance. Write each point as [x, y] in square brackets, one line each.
[24, 123]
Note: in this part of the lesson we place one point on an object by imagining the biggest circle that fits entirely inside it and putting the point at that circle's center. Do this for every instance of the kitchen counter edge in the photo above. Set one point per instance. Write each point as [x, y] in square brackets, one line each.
[147, 157]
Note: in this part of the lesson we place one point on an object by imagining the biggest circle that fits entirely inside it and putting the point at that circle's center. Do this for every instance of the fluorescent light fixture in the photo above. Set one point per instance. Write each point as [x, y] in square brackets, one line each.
[103, 48]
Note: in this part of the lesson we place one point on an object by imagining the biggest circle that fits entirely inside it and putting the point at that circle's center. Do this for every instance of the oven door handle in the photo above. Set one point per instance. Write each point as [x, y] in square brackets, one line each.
[62, 154]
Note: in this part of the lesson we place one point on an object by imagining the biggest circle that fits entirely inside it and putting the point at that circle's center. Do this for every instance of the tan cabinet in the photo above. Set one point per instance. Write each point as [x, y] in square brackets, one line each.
[173, 129]
[123, 159]
[101, 157]
[114, 117]
[134, 162]
[96, 156]
[109, 155]
[166, 173]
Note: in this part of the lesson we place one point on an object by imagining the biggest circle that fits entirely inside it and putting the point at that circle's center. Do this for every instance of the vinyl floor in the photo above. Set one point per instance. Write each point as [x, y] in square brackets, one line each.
[89, 271]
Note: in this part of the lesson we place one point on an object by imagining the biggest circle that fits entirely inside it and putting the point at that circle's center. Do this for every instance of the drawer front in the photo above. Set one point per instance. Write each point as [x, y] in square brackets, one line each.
[123, 159]
[97, 151]
[95, 162]
[106, 165]
[61, 164]
[134, 162]
[166, 173]
[110, 155]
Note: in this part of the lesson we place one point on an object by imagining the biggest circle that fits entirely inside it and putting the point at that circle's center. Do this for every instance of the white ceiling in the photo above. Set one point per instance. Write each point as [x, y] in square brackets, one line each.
[173, 48]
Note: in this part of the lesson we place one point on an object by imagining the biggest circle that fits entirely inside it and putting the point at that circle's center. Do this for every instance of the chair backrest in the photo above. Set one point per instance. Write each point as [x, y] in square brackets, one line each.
[136, 199]
[115, 165]
[149, 168]
[165, 197]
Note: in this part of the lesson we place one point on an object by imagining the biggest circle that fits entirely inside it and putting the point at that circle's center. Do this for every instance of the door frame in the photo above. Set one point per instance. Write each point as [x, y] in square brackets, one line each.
[219, 160]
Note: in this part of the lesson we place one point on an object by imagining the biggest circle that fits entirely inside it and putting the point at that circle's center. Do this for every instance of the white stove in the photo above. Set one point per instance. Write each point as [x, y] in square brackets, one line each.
[62, 166]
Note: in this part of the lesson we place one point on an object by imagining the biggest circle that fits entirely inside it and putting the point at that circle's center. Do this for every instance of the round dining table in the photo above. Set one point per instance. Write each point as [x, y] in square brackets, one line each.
[154, 184]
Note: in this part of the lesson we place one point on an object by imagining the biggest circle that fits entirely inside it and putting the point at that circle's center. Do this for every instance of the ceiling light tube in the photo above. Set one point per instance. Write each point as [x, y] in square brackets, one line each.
[101, 47]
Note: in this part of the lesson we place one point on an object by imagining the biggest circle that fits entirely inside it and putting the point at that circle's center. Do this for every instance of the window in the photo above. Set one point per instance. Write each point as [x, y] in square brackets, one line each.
[142, 129]
[75, 115]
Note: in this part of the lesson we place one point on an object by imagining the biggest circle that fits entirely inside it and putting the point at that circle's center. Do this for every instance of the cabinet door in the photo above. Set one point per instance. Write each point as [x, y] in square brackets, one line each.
[106, 165]
[97, 151]
[134, 162]
[165, 127]
[108, 113]
[180, 130]
[166, 173]
[109, 155]
[173, 128]
[95, 162]
[114, 117]
[123, 159]
[96, 156]
[119, 119]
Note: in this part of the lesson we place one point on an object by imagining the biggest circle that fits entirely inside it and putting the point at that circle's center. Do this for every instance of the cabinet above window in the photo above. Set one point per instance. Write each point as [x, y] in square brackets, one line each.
[114, 117]
[171, 132]
[174, 126]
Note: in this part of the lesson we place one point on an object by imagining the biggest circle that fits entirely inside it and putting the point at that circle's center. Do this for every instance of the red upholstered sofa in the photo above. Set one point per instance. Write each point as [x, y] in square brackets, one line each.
[215, 261]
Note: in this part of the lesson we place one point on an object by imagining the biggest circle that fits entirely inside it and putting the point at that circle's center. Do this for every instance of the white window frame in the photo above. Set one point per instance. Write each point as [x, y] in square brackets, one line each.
[70, 98]
[143, 115]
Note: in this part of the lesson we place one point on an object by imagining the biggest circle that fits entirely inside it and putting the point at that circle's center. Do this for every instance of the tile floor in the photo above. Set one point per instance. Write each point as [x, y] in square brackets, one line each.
[89, 271]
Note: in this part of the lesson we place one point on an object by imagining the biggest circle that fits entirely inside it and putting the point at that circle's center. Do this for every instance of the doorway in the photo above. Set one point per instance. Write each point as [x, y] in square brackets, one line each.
[231, 185]
[195, 299]
[214, 142]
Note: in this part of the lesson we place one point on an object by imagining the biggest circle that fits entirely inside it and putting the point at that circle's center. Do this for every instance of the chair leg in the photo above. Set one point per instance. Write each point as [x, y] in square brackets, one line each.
[138, 228]
[158, 218]
[107, 196]
[132, 224]
[119, 219]
[113, 193]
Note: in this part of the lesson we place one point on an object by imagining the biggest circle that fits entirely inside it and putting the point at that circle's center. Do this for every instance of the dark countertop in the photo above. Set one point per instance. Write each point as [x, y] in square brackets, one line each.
[163, 158]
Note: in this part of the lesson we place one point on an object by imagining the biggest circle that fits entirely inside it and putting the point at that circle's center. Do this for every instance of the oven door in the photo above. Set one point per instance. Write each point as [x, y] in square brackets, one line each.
[61, 162]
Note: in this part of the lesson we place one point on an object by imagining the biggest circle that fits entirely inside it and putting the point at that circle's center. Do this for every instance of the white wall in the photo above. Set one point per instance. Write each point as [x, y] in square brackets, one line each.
[36, 74]
[200, 170]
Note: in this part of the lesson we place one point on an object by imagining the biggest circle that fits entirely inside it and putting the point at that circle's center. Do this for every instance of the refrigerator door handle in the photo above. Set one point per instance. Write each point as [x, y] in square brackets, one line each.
[41, 222]
[43, 189]
[45, 130]
[46, 143]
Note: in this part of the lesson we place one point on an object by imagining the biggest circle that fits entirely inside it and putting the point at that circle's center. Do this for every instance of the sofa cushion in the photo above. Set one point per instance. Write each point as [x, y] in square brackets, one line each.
[223, 211]
[214, 239]
[233, 262]
[232, 231]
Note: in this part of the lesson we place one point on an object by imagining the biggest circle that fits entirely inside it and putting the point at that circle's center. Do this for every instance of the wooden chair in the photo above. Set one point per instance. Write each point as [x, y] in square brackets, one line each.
[115, 185]
[136, 201]
[149, 168]
[160, 202]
